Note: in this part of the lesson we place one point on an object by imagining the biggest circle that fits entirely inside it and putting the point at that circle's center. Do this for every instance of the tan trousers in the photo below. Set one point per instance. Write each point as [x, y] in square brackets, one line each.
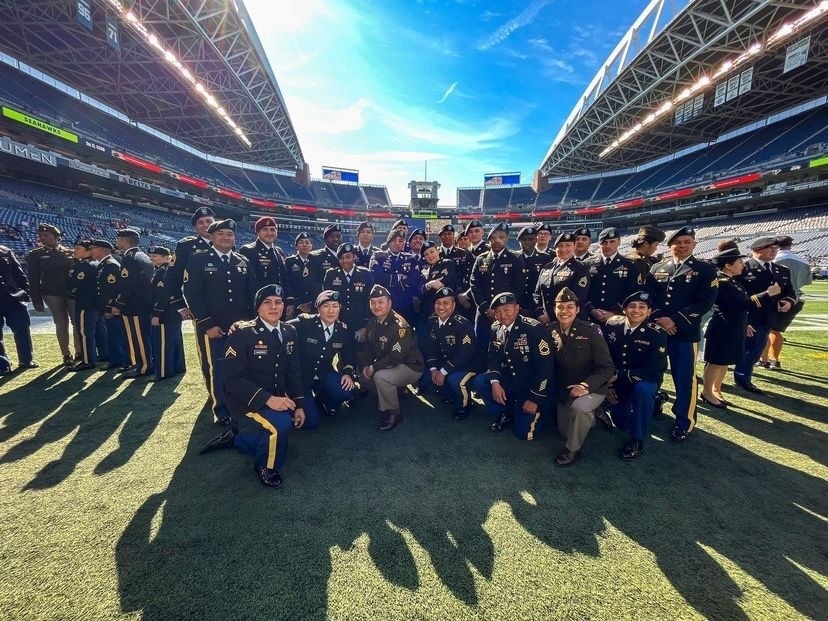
[575, 419]
[63, 312]
[385, 383]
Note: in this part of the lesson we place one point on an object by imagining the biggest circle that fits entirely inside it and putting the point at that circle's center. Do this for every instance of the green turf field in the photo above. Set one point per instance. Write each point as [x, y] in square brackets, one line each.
[107, 510]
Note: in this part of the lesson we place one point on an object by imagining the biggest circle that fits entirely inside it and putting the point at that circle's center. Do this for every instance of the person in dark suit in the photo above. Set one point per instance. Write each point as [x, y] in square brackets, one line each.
[448, 353]
[612, 278]
[305, 276]
[201, 220]
[364, 248]
[267, 263]
[584, 368]
[639, 353]
[108, 271]
[167, 340]
[14, 293]
[82, 289]
[533, 261]
[134, 302]
[683, 289]
[353, 284]
[519, 370]
[562, 271]
[218, 289]
[264, 387]
[327, 359]
[759, 274]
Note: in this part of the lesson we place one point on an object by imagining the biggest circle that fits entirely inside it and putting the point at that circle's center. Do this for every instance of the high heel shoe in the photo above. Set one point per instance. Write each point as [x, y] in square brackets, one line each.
[720, 406]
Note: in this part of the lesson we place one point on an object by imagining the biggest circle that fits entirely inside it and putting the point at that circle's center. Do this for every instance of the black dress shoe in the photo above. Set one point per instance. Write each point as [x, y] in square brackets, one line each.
[462, 413]
[679, 435]
[82, 367]
[725, 403]
[225, 420]
[392, 419]
[566, 458]
[223, 440]
[721, 405]
[750, 387]
[126, 369]
[134, 373]
[632, 450]
[268, 476]
[28, 365]
[68, 361]
[501, 423]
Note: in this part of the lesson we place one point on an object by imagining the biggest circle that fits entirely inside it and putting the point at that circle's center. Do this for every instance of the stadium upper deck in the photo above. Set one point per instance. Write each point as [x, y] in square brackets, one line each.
[194, 70]
[685, 77]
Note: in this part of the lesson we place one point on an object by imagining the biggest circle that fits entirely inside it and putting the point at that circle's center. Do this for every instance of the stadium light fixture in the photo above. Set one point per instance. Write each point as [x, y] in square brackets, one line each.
[154, 41]
[785, 31]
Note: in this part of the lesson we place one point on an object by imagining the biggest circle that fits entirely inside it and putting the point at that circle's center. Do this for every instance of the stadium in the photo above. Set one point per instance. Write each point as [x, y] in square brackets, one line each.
[710, 114]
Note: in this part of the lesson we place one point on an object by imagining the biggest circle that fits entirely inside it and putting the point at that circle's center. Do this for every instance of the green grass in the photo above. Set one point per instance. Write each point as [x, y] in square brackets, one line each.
[108, 511]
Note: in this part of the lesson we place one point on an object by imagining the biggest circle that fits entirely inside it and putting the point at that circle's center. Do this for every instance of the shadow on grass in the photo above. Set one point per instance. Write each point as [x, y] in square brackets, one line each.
[216, 545]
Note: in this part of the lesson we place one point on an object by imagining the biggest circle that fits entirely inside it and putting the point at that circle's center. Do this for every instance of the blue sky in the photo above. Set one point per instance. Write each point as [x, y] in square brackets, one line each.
[471, 86]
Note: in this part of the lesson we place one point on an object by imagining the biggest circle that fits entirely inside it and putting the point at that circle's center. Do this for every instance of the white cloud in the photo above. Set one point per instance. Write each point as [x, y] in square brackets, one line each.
[448, 92]
[526, 17]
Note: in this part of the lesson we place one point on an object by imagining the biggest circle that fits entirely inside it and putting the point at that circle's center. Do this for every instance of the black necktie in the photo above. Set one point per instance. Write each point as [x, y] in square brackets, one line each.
[768, 267]
[327, 334]
[607, 261]
[226, 260]
[277, 336]
[348, 278]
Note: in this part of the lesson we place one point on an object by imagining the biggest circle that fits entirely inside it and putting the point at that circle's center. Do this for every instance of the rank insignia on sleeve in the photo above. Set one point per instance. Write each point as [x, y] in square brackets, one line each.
[397, 348]
[543, 348]
[715, 282]
[111, 279]
[186, 275]
[467, 340]
[230, 353]
[583, 282]
[125, 273]
[542, 385]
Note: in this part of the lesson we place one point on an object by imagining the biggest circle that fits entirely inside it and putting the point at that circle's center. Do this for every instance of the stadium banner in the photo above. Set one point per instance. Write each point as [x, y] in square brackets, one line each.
[510, 178]
[90, 169]
[94, 146]
[745, 80]
[797, 54]
[136, 161]
[31, 121]
[113, 37]
[721, 94]
[17, 149]
[84, 11]
[340, 174]
[820, 161]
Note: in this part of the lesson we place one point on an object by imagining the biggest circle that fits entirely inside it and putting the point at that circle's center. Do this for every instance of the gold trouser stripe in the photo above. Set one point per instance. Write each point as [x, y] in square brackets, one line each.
[84, 344]
[464, 392]
[141, 348]
[128, 331]
[162, 371]
[210, 379]
[694, 387]
[271, 442]
[532, 425]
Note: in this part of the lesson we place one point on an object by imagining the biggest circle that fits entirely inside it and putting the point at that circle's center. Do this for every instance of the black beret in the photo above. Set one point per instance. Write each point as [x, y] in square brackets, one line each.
[730, 254]
[101, 243]
[266, 292]
[638, 296]
[328, 295]
[650, 233]
[83, 242]
[344, 249]
[472, 224]
[685, 230]
[566, 295]
[583, 231]
[503, 298]
[394, 233]
[201, 212]
[160, 250]
[609, 233]
[399, 223]
[462, 234]
[219, 225]
[302, 235]
[527, 231]
[331, 228]
[419, 232]
[48, 228]
[426, 246]
[364, 225]
[446, 228]
[378, 291]
[564, 237]
[127, 233]
[500, 226]
[763, 242]
[445, 292]
[542, 226]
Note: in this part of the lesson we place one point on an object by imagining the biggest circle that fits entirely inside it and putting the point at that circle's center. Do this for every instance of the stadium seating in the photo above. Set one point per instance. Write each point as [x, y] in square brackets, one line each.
[468, 198]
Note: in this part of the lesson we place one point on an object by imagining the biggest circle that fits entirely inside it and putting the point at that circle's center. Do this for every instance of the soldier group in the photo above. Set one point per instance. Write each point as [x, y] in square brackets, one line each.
[283, 341]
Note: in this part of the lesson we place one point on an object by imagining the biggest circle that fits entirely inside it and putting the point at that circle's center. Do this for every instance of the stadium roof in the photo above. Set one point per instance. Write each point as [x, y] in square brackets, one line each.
[211, 40]
[666, 53]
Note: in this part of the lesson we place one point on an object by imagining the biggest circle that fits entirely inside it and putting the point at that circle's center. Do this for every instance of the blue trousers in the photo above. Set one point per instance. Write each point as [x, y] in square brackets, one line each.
[682, 356]
[265, 437]
[137, 331]
[483, 334]
[168, 349]
[743, 372]
[525, 426]
[212, 367]
[16, 315]
[635, 409]
[328, 390]
[115, 343]
[86, 321]
[458, 386]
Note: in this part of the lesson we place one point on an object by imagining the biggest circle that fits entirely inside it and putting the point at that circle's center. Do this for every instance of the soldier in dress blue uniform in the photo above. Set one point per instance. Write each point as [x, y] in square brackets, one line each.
[107, 274]
[364, 248]
[167, 341]
[562, 271]
[201, 220]
[14, 293]
[218, 288]
[327, 358]
[612, 278]
[267, 263]
[533, 262]
[759, 274]
[134, 302]
[495, 271]
[305, 276]
[544, 238]
[639, 353]
[265, 393]
[519, 370]
[684, 289]
[82, 287]
[396, 270]
[326, 257]
[353, 284]
[463, 259]
[449, 350]
[583, 241]
[416, 239]
[645, 246]
[474, 231]
[438, 273]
